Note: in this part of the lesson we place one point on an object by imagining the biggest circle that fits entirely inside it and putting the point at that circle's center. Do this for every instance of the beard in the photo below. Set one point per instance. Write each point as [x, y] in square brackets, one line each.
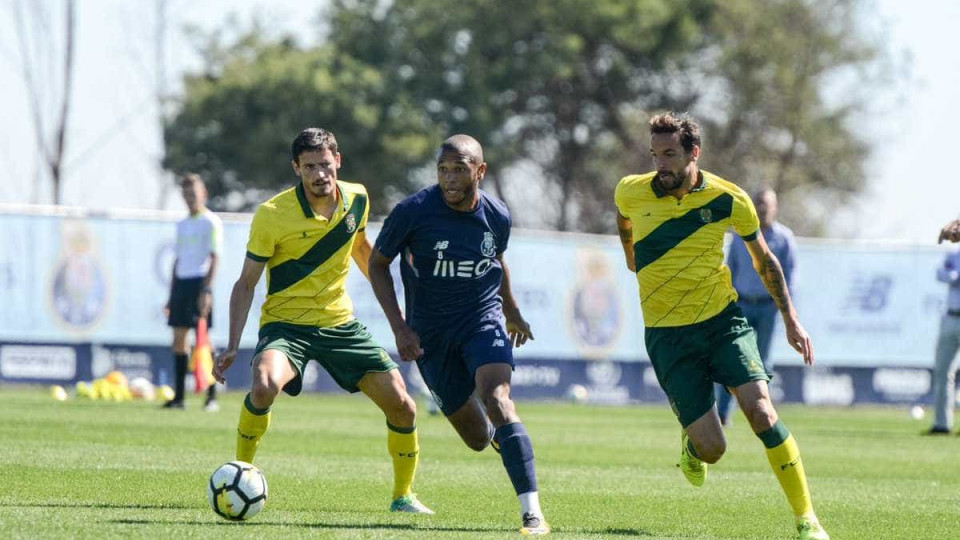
[669, 180]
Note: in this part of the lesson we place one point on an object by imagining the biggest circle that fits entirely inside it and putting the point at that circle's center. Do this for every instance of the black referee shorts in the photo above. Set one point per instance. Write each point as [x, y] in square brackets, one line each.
[183, 303]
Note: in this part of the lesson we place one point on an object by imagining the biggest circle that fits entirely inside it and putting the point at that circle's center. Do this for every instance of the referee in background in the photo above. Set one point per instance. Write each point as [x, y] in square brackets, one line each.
[199, 241]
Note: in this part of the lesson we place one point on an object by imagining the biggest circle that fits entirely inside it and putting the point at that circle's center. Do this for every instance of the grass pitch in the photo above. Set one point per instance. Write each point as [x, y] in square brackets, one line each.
[82, 469]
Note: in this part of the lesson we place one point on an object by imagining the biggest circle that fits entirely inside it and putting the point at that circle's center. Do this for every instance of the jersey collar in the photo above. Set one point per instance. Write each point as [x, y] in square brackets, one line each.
[305, 205]
[661, 193]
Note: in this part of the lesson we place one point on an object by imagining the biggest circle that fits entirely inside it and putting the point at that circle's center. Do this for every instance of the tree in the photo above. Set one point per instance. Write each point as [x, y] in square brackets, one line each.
[236, 121]
[40, 65]
[559, 93]
[776, 125]
[547, 85]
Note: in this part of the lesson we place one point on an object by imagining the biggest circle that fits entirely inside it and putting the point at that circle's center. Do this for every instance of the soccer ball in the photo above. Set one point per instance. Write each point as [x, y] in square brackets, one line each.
[917, 412]
[237, 491]
[577, 393]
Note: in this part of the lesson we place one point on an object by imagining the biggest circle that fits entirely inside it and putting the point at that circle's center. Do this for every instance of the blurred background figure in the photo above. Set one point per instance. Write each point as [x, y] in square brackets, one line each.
[757, 305]
[945, 366]
[950, 232]
[199, 237]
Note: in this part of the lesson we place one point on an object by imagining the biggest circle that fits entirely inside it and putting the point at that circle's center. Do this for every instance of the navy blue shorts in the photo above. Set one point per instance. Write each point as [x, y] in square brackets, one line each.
[450, 361]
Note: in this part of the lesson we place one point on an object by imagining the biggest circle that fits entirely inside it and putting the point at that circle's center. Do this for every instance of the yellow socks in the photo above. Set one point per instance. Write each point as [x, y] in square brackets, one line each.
[405, 451]
[784, 457]
[253, 424]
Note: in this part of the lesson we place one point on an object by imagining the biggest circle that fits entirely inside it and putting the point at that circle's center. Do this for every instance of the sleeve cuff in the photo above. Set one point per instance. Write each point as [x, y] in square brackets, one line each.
[750, 237]
[255, 257]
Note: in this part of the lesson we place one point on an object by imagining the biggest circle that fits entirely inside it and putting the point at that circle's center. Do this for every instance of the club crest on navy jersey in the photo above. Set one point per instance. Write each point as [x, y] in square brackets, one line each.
[488, 247]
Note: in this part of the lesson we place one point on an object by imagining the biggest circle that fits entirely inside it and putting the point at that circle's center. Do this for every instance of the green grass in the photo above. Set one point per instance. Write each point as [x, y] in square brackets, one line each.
[82, 469]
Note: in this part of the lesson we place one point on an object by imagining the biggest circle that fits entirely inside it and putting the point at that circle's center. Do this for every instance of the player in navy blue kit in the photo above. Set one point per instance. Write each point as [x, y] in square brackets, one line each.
[451, 238]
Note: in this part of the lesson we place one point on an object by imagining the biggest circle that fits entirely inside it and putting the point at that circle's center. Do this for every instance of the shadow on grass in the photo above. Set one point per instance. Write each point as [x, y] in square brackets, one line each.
[130, 506]
[387, 526]
[395, 526]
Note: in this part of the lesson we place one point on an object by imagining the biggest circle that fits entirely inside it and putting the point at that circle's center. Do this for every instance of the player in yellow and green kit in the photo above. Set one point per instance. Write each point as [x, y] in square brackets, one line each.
[672, 222]
[305, 238]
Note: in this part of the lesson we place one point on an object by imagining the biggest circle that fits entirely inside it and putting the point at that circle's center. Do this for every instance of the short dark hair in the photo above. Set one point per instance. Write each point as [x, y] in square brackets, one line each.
[313, 140]
[465, 145]
[681, 123]
[190, 179]
[761, 190]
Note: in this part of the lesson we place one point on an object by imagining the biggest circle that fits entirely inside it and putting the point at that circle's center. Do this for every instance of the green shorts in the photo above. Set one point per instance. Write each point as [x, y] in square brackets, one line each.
[689, 359]
[347, 352]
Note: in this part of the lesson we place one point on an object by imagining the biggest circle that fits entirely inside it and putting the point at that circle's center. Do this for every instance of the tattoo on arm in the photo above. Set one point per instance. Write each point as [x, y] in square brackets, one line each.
[772, 275]
[626, 235]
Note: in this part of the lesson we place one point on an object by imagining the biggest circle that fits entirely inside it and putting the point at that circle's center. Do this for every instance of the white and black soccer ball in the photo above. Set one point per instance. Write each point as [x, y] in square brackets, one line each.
[237, 491]
[577, 393]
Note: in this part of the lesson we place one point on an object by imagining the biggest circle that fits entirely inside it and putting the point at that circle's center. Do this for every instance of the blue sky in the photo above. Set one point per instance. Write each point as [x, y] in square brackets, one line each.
[114, 137]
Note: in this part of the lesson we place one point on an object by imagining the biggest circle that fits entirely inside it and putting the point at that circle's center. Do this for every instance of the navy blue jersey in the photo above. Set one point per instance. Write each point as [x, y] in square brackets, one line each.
[451, 274]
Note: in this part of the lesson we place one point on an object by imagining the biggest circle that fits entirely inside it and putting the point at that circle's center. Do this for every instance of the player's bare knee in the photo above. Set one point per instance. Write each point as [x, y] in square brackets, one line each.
[760, 415]
[263, 389]
[403, 412]
[711, 451]
[500, 407]
[477, 442]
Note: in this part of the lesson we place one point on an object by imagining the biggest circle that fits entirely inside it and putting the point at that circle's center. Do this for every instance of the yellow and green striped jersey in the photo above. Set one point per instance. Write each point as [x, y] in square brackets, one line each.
[678, 245]
[307, 255]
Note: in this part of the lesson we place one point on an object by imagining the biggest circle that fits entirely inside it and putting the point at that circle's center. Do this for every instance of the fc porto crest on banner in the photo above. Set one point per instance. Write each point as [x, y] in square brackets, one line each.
[596, 313]
[351, 222]
[78, 291]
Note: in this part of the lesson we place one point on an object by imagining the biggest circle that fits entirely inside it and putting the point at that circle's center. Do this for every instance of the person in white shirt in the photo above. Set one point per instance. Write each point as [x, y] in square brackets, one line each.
[199, 240]
[948, 342]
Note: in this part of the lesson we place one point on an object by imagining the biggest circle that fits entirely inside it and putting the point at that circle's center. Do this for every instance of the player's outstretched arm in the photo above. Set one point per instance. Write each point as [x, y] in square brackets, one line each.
[950, 232]
[240, 299]
[625, 229]
[517, 328]
[408, 342]
[770, 272]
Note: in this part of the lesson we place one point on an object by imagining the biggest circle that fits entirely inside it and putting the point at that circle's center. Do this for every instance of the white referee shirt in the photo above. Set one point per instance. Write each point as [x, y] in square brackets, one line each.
[198, 237]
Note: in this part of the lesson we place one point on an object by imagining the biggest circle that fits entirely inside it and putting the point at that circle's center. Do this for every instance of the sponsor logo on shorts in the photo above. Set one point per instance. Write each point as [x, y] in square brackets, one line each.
[673, 407]
[436, 399]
